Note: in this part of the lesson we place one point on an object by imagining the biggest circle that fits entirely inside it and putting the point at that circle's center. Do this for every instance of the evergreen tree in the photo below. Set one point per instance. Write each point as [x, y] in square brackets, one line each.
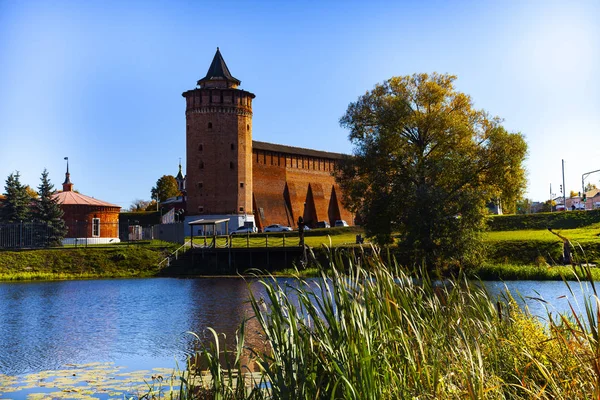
[17, 203]
[47, 211]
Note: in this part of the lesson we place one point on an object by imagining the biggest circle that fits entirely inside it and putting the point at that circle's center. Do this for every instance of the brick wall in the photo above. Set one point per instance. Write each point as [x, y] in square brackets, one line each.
[219, 141]
[284, 183]
[78, 219]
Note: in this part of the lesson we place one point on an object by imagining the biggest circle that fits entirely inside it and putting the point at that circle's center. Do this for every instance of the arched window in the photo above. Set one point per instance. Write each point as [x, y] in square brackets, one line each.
[200, 147]
[231, 165]
[210, 125]
[232, 146]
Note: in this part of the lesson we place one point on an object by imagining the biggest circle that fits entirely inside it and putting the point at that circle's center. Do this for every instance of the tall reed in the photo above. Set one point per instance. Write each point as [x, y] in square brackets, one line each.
[367, 330]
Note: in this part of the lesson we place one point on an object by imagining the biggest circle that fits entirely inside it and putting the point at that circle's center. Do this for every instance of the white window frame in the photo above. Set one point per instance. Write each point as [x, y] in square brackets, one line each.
[95, 227]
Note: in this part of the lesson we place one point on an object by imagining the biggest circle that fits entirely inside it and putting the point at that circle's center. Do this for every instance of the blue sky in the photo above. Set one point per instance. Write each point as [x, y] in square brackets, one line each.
[101, 82]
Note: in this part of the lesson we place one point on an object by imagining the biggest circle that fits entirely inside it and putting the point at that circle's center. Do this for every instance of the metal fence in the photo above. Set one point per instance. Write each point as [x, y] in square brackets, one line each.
[25, 235]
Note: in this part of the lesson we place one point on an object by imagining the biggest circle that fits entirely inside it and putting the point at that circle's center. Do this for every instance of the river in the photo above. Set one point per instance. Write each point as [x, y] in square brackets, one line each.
[140, 324]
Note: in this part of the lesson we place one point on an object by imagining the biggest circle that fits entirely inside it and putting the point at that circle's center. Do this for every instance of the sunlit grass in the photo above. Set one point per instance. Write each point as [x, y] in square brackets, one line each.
[328, 237]
[545, 272]
[580, 234]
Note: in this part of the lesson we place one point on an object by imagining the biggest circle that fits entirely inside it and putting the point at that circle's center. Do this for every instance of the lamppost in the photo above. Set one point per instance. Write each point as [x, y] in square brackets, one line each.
[583, 176]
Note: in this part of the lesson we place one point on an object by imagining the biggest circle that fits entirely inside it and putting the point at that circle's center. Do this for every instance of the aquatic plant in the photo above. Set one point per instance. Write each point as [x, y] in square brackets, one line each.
[368, 330]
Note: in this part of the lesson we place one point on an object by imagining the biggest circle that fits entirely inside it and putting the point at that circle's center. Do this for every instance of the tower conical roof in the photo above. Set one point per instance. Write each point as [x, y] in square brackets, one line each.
[179, 174]
[218, 72]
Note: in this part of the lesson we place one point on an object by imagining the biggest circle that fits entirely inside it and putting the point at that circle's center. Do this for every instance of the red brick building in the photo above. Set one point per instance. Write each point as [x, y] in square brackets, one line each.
[88, 220]
[230, 175]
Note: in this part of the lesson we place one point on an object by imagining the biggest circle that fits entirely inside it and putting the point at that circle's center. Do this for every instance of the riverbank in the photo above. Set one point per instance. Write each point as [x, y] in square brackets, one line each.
[114, 261]
[525, 254]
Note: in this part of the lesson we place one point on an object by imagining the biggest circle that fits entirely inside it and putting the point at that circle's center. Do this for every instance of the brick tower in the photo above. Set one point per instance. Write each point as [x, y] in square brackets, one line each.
[219, 147]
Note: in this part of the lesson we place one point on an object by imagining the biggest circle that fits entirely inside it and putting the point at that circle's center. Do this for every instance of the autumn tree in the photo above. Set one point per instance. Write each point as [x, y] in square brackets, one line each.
[16, 206]
[31, 192]
[47, 211]
[590, 186]
[425, 164]
[139, 205]
[166, 187]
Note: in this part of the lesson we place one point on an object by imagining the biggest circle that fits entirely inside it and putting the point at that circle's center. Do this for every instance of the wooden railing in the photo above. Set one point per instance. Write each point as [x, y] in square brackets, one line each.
[245, 241]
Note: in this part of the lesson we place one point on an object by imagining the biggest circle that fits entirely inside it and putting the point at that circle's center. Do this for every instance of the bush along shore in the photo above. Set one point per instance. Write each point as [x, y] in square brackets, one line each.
[115, 261]
[374, 332]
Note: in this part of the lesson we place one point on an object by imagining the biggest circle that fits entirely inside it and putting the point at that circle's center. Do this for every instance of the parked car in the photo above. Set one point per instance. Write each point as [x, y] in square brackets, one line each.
[244, 230]
[323, 224]
[277, 228]
[341, 222]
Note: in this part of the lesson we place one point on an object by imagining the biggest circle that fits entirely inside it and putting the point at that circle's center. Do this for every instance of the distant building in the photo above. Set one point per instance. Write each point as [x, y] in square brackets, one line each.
[592, 201]
[88, 220]
[177, 203]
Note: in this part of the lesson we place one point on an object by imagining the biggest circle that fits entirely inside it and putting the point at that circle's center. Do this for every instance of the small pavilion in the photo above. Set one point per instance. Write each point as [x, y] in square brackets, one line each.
[205, 224]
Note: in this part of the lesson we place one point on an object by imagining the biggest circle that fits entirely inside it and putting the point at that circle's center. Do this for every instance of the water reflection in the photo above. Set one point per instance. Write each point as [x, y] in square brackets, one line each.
[542, 298]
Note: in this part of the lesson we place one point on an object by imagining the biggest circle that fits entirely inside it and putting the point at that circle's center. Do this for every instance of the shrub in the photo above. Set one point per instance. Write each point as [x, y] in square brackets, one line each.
[555, 220]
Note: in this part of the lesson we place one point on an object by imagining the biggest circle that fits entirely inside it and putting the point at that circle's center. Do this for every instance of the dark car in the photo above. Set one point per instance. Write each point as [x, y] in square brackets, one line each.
[323, 224]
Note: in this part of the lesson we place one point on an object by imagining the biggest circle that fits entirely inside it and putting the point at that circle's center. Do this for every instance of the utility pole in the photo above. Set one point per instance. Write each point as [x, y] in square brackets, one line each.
[564, 187]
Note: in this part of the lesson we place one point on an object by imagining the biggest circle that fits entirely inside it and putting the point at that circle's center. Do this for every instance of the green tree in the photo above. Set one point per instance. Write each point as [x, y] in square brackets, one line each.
[425, 164]
[47, 211]
[548, 206]
[166, 187]
[524, 206]
[16, 206]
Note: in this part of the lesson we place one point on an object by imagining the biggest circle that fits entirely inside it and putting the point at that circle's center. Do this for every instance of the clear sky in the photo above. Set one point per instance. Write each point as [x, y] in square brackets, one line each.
[101, 81]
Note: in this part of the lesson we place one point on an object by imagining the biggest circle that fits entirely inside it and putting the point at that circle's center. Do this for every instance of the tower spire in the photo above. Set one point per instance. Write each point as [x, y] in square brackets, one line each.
[67, 185]
[180, 178]
[218, 74]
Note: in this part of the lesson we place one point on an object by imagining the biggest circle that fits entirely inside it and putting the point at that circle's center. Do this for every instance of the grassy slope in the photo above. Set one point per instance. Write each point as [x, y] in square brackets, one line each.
[92, 262]
[536, 246]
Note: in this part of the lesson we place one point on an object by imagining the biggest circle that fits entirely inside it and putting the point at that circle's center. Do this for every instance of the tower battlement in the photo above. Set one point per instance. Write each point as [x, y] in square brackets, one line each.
[214, 100]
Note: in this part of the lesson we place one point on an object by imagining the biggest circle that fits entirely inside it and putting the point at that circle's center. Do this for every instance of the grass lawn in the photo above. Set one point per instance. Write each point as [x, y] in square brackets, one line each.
[591, 233]
[540, 247]
[334, 237]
